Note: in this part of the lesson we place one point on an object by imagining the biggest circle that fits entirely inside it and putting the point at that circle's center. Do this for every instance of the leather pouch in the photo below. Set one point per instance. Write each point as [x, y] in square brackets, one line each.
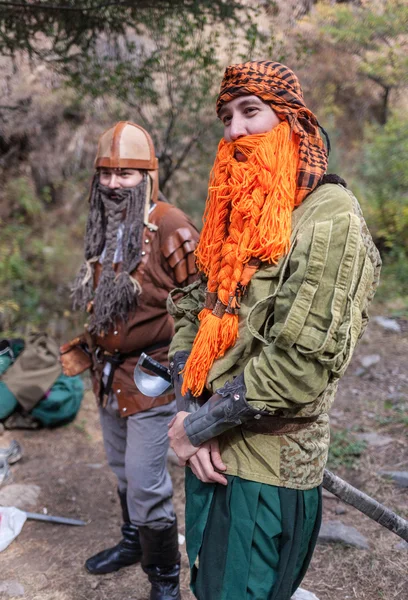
[75, 357]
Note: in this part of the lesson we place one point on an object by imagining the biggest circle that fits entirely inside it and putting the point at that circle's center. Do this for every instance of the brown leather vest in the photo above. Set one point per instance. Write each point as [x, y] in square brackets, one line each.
[150, 324]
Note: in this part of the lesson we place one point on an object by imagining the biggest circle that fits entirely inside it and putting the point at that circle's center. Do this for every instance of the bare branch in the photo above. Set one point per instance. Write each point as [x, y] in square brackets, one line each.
[96, 7]
[187, 148]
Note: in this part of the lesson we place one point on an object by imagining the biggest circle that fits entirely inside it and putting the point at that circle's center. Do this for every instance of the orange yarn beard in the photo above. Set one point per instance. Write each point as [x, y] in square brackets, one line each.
[248, 215]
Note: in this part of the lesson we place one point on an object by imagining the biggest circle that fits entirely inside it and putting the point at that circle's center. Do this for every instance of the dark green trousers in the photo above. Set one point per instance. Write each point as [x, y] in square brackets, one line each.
[248, 540]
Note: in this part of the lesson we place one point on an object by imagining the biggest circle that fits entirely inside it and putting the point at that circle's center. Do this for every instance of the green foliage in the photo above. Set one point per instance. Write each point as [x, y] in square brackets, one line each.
[35, 250]
[384, 173]
[72, 27]
[396, 413]
[166, 72]
[376, 35]
[159, 68]
[344, 449]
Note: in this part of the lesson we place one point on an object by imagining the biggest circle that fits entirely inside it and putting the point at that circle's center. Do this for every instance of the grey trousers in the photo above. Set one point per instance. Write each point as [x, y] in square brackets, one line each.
[136, 449]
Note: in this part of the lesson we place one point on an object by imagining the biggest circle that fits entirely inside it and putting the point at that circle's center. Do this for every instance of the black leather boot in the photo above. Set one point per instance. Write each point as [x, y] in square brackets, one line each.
[127, 552]
[161, 561]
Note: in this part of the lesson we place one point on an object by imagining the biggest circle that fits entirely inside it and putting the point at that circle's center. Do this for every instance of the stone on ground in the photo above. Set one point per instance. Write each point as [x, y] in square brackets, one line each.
[370, 360]
[402, 545]
[398, 477]
[19, 495]
[388, 324]
[11, 589]
[336, 531]
[374, 439]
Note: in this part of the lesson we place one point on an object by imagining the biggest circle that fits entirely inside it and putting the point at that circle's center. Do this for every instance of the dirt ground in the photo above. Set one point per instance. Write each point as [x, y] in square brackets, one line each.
[69, 466]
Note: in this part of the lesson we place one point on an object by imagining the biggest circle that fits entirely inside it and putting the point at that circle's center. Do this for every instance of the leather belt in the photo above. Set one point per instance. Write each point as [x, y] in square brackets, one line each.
[278, 425]
[116, 359]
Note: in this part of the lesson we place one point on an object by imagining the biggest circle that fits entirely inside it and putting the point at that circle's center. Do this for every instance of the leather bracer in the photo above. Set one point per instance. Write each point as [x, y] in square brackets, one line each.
[186, 402]
[225, 409]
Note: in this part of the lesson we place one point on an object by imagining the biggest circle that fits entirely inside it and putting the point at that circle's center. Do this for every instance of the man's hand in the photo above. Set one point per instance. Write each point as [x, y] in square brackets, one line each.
[206, 460]
[203, 460]
[179, 440]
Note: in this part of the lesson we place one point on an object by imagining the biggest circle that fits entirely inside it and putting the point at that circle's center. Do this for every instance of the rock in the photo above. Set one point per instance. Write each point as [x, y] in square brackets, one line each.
[41, 581]
[301, 594]
[11, 589]
[397, 398]
[340, 510]
[336, 531]
[19, 495]
[369, 360]
[94, 465]
[374, 439]
[388, 324]
[328, 495]
[398, 477]
[1, 428]
[403, 545]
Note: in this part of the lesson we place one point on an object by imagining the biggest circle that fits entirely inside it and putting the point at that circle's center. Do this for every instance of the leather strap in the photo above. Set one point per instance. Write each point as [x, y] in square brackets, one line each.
[278, 425]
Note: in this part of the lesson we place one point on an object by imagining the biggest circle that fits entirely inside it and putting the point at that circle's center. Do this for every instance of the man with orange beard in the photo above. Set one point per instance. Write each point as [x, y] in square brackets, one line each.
[288, 271]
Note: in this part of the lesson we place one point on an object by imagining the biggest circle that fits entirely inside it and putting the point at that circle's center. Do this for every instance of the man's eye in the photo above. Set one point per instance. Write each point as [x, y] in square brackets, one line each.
[226, 120]
[250, 109]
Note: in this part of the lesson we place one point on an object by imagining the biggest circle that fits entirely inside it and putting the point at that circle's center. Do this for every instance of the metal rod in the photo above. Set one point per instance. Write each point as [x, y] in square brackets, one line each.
[51, 519]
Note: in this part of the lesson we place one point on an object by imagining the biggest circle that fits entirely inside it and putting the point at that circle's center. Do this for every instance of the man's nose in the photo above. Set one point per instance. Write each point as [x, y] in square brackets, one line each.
[237, 128]
[114, 181]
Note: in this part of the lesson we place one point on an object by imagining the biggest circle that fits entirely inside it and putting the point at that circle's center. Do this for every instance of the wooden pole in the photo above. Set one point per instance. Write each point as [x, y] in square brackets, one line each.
[365, 504]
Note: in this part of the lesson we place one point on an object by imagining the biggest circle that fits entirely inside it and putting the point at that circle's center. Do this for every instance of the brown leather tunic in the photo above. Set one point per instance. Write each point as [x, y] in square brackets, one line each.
[168, 262]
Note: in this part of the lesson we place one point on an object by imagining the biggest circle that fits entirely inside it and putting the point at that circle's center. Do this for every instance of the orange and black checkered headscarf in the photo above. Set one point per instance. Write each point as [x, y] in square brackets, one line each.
[248, 212]
[277, 85]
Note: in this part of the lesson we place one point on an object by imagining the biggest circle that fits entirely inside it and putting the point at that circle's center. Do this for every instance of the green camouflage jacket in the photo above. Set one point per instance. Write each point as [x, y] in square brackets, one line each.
[299, 323]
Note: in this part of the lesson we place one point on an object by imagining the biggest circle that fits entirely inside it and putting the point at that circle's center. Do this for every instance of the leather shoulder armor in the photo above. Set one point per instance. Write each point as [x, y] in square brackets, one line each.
[178, 249]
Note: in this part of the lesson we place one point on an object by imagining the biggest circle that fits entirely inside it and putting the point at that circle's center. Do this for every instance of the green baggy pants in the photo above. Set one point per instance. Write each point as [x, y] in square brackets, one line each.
[248, 540]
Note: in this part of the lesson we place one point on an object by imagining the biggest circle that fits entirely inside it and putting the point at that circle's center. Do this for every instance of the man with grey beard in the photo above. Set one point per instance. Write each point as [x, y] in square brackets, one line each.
[137, 249]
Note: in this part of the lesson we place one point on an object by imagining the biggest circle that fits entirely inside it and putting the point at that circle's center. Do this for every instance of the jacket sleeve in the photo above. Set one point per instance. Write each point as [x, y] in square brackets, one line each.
[184, 305]
[319, 315]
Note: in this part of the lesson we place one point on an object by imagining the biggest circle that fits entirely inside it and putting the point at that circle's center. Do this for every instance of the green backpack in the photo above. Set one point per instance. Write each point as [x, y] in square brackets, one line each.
[57, 406]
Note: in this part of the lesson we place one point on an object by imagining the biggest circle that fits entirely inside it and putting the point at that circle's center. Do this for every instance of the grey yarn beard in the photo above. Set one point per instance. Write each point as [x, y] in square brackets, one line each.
[116, 295]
